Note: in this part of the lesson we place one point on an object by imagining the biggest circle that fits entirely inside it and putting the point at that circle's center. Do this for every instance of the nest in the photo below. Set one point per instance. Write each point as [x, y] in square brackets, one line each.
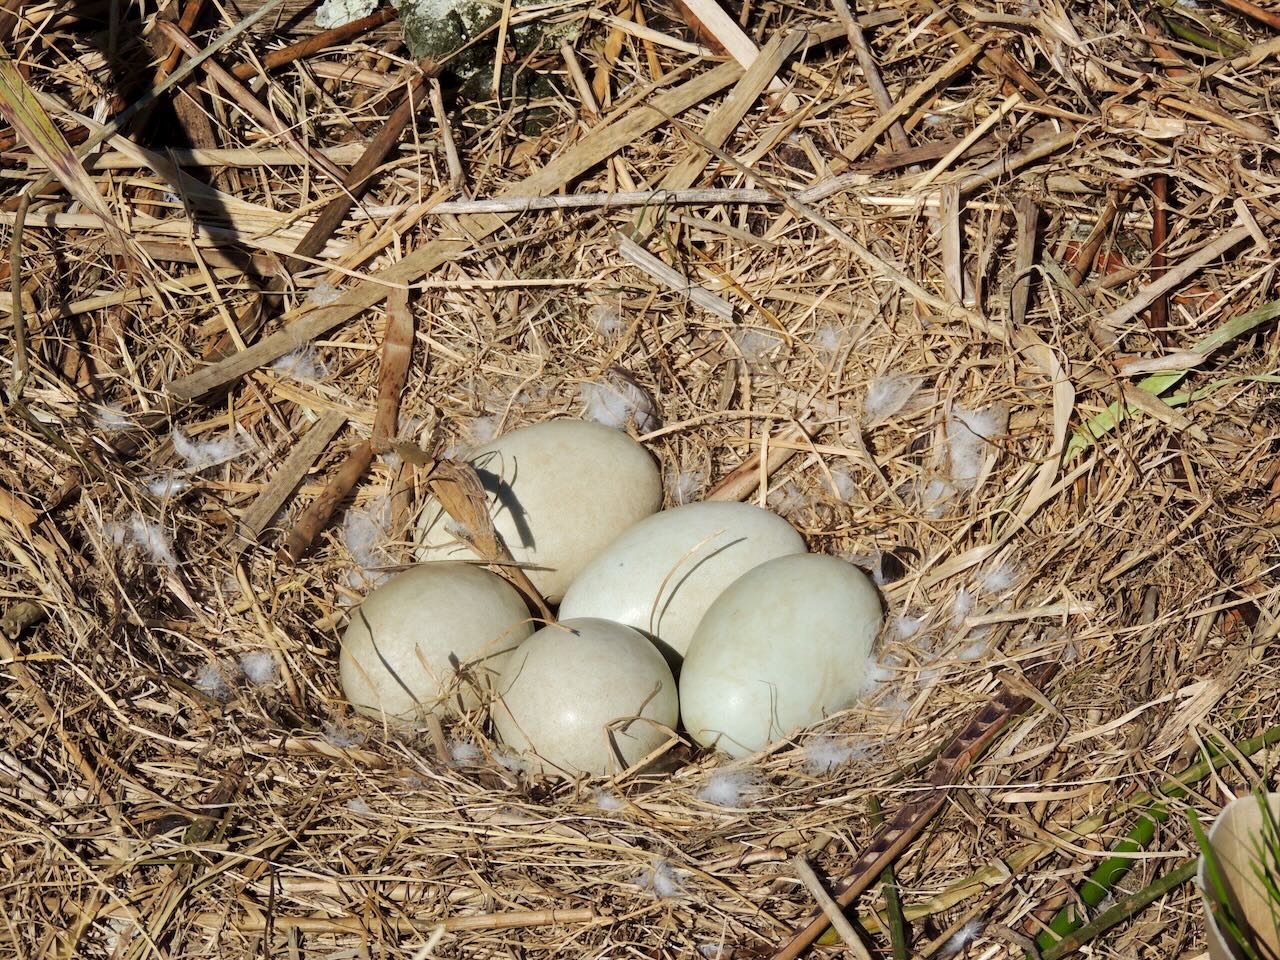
[1003, 335]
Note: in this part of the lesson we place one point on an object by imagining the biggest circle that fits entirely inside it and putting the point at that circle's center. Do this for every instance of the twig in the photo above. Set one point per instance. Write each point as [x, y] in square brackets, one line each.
[830, 908]
[318, 42]
[357, 180]
[317, 514]
[747, 476]
[1158, 317]
[911, 97]
[1083, 260]
[1190, 266]
[259, 921]
[301, 459]
[457, 176]
[870, 72]
[642, 259]
[1272, 20]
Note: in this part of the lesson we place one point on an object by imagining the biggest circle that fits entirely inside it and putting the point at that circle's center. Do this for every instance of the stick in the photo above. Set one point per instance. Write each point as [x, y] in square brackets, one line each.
[301, 458]
[356, 182]
[318, 512]
[871, 72]
[830, 908]
[910, 820]
[1193, 264]
[671, 278]
[318, 42]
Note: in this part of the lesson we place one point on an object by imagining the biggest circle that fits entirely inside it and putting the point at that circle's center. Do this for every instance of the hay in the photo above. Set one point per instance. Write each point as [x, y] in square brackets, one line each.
[997, 324]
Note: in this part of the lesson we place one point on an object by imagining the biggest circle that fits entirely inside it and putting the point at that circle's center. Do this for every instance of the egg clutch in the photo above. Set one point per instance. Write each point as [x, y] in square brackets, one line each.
[709, 616]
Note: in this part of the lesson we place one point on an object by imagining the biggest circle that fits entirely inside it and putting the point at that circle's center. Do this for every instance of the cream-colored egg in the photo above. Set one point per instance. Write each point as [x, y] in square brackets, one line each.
[663, 574]
[559, 493]
[406, 643]
[787, 643]
[585, 696]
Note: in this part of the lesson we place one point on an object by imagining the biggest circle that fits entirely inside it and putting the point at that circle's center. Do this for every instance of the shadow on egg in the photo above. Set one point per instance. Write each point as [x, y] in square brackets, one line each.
[502, 490]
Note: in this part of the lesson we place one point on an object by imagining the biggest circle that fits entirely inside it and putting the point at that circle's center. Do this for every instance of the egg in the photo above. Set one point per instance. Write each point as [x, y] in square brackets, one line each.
[784, 645]
[406, 643]
[585, 696]
[559, 493]
[663, 574]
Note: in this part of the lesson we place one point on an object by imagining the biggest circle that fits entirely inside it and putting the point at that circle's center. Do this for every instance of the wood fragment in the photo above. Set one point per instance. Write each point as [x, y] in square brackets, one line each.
[286, 479]
[316, 516]
[397, 351]
[671, 278]
[714, 22]
[1175, 276]
[949, 210]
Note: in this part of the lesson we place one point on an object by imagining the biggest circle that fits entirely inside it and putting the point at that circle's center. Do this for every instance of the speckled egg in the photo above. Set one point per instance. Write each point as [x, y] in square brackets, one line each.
[663, 574]
[406, 643]
[559, 493]
[585, 696]
[786, 644]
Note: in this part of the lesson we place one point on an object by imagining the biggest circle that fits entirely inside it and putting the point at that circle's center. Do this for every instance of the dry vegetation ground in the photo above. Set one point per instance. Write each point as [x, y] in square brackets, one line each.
[1023, 318]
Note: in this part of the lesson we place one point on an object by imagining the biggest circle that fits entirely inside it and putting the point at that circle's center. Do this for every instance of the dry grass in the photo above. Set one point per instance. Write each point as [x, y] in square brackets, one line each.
[157, 802]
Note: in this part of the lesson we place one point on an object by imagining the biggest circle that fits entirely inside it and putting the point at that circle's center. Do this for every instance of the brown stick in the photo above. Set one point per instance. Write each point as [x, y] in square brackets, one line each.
[910, 820]
[357, 180]
[286, 479]
[1084, 259]
[316, 516]
[1158, 316]
[186, 23]
[318, 42]
[397, 350]
[1272, 20]
[871, 71]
